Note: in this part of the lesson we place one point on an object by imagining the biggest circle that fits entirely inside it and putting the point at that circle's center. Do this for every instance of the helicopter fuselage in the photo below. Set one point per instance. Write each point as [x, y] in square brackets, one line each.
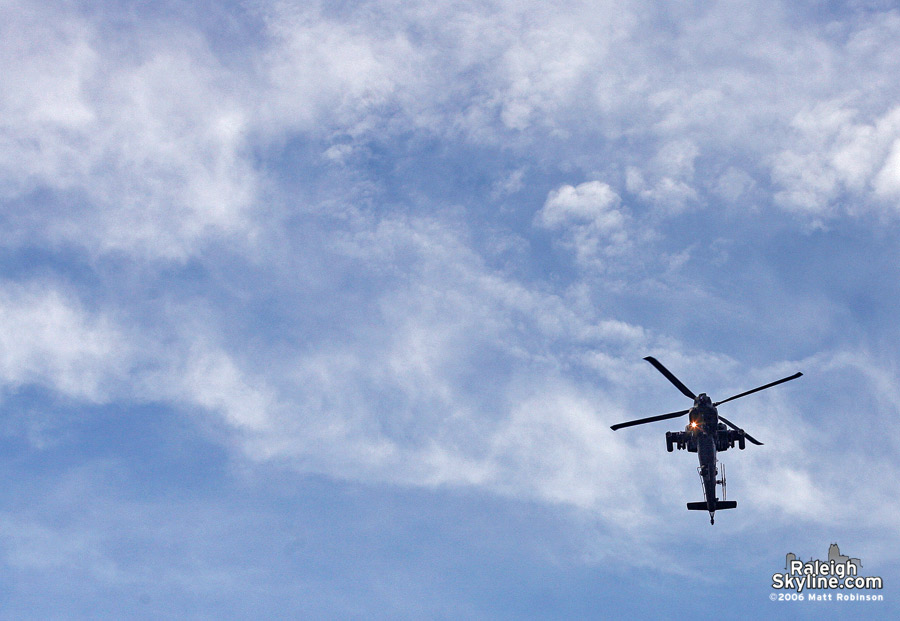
[706, 436]
[704, 427]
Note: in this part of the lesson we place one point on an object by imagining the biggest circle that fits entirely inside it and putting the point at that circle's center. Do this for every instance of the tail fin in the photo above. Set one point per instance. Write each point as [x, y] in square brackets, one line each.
[720, 504]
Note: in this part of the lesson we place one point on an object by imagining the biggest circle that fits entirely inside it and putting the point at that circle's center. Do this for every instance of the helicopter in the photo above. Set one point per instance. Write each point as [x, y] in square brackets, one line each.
[705, 434]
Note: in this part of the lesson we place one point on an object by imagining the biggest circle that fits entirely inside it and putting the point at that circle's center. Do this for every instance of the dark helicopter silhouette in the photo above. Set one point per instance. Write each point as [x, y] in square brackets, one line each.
[705, 434]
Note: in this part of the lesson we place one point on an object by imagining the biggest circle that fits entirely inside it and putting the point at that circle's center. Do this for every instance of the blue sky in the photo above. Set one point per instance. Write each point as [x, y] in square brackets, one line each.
[324, 310]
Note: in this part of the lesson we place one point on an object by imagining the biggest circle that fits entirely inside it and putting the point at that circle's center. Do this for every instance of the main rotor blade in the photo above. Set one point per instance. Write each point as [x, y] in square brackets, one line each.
[735, 427]
[650, 419]
[659, 367]
[750, 392]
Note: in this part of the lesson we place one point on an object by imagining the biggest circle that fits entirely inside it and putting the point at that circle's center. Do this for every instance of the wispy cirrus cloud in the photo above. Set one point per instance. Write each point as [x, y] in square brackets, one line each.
[428, 245]
[49, 339]
[142, 149]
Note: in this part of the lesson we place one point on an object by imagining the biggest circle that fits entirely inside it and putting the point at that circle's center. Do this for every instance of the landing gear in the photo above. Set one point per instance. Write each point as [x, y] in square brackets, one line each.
[722, 480]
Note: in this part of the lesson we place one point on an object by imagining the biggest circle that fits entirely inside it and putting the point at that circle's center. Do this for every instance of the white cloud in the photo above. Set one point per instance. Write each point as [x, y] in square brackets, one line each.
[435, 369]
[212, 380]
[150, 149]
[887, 181]
[836, 154]
[49, 339]
[592, 203]
[320, 69]
[591, 218]
[415, 396]
[145, 150]
[508, 185]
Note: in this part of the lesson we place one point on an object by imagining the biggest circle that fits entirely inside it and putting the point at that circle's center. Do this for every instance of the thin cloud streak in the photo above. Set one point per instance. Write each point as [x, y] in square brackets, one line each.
[428, 246]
